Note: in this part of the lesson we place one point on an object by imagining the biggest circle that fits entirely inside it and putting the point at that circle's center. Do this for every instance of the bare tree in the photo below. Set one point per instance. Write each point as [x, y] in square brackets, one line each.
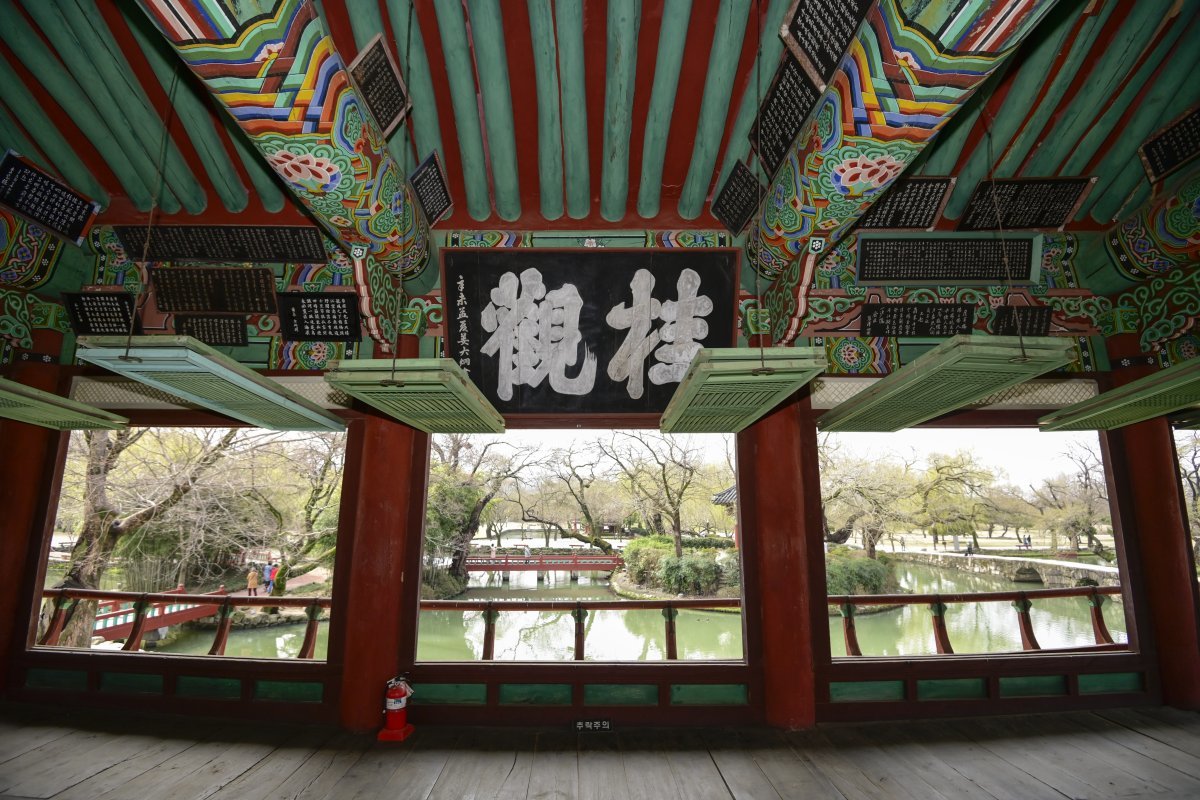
[571, 475]
[661, 472]
[1188, 447]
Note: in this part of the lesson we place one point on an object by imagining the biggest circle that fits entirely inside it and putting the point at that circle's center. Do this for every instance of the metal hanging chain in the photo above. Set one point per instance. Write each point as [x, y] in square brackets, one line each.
[139, 305]
[987, 128]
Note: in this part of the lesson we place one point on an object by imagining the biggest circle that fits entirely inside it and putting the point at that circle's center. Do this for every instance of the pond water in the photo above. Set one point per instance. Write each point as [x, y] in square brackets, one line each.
[638, 635]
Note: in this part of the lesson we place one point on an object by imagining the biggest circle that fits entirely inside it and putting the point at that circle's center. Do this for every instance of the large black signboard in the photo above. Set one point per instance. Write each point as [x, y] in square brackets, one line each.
[585, 331]
[306, 317]
[270, 244]
[1172, 147]
[32, 194]
[789, 100]
[1022, 320]
[819, 31]
[738, 199]
[379, 84]
[983, 260]
[219, 331]
[429, 185]
[909, 203]
[100, 313]
[1012, 203]
[917, 319]
[199, 290]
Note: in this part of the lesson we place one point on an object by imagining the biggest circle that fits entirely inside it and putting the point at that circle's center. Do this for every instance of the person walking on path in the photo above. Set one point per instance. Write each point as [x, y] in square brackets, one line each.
[252, 582]
[271, 571]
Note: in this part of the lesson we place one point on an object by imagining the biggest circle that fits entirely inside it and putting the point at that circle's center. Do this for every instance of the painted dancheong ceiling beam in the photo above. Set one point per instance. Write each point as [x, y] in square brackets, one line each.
[896, 88]
[569, 25]
[460, 73]
[550, 152]
[671, 41]
[491, 64]
[280, 77]
[624, 17]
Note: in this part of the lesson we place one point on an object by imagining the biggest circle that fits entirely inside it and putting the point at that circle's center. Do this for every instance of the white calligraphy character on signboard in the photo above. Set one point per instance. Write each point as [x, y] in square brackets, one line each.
[683, 329]
[535, 335]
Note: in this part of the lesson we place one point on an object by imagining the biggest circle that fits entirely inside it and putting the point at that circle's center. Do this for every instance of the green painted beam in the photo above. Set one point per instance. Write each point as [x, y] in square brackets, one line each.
[624, 17]
[271, 193]
[13, 138]
[491, 61]
[714, 105]
[95, 96]
[1106, 75]
[1028, 81]
[672, 37]
[27, 46]
[573, 88]
[460, 72]
[410, 44]
[545, 63]
[24, 107]
[1094, 138]
[90, 32]
[770, 48]
[365, 22]
[193, 111]
[1031, 134]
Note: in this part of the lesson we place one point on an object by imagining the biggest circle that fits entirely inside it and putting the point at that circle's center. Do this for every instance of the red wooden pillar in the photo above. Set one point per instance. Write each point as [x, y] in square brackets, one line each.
[779, 508]
[1149, 517]
[377, 579]
[29, 457]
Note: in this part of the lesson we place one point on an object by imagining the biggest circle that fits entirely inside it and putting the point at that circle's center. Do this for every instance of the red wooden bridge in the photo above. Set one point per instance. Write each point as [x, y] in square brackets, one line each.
[566, 562]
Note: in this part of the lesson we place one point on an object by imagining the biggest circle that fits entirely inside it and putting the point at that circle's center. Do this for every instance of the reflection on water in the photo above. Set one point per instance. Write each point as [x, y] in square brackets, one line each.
[639, 635]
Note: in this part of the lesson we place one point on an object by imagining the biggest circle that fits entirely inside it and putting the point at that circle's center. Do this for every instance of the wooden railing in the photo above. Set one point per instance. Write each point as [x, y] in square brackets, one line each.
[562, 562]
[142, 606]
[1022, 602]
[491, 610]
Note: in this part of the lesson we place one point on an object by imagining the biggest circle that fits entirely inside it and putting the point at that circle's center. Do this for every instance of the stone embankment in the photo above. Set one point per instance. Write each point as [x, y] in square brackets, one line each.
[1053, 574]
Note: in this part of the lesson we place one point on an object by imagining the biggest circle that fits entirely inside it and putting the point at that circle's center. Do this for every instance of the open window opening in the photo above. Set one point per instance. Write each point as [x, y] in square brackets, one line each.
[195, 541]
[561, 546]
[968, 541]
[1187, 448]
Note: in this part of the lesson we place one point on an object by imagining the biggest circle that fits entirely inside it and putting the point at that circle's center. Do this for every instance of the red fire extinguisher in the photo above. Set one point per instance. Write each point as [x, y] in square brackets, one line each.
[395, 711]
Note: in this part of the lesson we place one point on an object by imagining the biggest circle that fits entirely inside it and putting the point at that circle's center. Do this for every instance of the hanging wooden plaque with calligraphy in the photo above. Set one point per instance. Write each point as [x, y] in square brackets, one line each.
[917, 319]
[787, 105]
[1172, 147]
[593, 331]
[329, 317]
[217, 330]
[40, 198]
[909, 203]
[818, 32]
[100, 313]
[1024, 203]
[378, 80]
[738, 199]
[1022, 321]
[429, 187]
[948, 258]
[200, 290]
[271, 244]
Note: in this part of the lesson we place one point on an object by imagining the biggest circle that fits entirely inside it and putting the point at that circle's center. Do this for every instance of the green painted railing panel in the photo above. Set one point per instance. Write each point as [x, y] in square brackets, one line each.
[952, 689]
[1033, 686]
[709, 694]
[714, 105]
[866, 691]
[624, 17]
[671, 40]
[620, 694]
[211, 688]
[455, 694]
[535, 694]
[571, 76]
[69, 680]
[1112, 683]
[292, 691]
[131, 683]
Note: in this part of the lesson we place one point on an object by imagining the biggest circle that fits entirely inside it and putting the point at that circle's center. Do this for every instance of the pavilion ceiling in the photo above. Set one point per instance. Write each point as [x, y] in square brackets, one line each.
[579, 116]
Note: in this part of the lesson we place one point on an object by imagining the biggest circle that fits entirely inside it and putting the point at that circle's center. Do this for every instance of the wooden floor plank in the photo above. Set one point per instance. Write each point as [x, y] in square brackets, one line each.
[1133, 751]
[852, 772]
[27, 738]
[696, 774]
[554, 773]
[1177, 733]
[601, 767]
[317, 777]
[152, 752]
[31, 774]
[998, 777]
[927, 761]
[268, 774]
[432, 750]
[792, 774]
[740, 771]
[483, 763]
[647, 774]
[864, 748]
